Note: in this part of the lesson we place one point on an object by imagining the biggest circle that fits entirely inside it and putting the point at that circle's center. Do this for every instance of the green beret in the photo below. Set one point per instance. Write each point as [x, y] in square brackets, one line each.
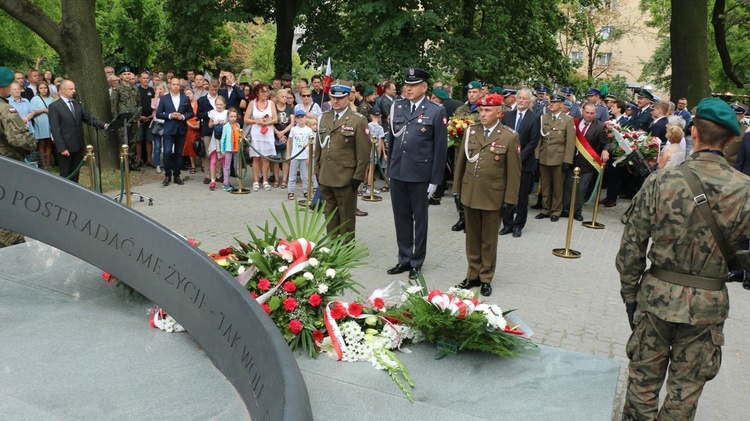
[474, 85]
[440, 93]
[368, 92]
[497, 90]
[718, 111]
[6, 76]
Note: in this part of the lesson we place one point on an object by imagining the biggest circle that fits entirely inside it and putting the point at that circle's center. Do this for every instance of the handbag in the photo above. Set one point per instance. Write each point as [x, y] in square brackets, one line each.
[157, 129]
[199, 147]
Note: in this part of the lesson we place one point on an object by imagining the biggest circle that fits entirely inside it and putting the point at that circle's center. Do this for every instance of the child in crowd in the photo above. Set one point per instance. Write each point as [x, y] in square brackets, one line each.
[300, 136]
[216, 120]
[376, 130]
[230, 143]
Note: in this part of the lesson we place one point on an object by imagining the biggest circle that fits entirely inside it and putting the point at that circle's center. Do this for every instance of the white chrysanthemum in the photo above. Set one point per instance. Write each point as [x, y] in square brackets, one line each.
[240, 270]
[494, 316]
[283, 269]
[463, 294]
[331, 273]
[313, 262]
[309, 276]
[322, 288]
[414, 289]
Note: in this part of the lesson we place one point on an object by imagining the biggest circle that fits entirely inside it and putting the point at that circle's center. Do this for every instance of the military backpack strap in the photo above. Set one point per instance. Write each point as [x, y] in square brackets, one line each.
[701, 201]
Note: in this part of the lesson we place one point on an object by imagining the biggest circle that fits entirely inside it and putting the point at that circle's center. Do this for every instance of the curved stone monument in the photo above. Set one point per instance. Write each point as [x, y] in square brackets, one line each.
[231, 327]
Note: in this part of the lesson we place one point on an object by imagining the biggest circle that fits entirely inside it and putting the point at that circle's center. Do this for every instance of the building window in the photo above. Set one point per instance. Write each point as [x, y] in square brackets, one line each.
[604, 59]
[606, 31]
[576, 55]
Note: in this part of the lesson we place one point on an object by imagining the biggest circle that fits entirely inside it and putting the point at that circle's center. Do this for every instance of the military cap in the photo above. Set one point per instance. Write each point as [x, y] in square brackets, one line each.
[300, 113]
[475, 85]
[646, 94]
[286, 77]
[440, 93]
[340, 88]
[567, 103]
[718, 111]
[593, 91]
[738, 108]
[375, 110]
[541, 89]
[124, 69]
[610, 97]
[557, 97]
[568, 91]
[656, 99]
[509, 92]
[632, 106]
[414, 76]
[6, 76]
[491, 100]
[368, 92]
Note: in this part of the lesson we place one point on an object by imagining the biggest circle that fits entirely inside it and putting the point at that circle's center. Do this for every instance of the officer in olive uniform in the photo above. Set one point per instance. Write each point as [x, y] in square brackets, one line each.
[341, 158]
[15, 141]
[677, 308]
[732, 149]
[641, 118]
[555, 153]
[541, 104]
[417, 150]
[126, 99]
[488, 176]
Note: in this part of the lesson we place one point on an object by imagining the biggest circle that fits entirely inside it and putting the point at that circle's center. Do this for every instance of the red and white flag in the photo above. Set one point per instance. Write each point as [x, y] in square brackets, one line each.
[328, 80]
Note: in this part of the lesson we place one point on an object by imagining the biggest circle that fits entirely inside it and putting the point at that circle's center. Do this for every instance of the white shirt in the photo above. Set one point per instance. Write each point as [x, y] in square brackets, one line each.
[415, 105]
[519, 116]
[175, 101]
[491, 129]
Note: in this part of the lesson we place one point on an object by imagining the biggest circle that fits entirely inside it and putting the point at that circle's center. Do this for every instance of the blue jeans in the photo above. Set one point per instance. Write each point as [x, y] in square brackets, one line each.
[173, 144]
[157, 150]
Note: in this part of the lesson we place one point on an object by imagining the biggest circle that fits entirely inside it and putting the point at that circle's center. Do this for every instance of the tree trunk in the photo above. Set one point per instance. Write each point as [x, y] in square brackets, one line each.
[77, 42]
[469, 11]
[720, 34]
[689, 41]
[285, 13]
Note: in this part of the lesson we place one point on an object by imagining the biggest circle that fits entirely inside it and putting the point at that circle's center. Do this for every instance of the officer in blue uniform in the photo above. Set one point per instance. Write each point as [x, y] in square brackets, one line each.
[575, 110]
[417, 150]
[602, 113]
[541, 104]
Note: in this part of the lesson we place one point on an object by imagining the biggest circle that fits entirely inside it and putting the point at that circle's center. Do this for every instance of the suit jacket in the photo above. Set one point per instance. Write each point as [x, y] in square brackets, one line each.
[166, 106]
[641, 119]
[66, 127]
[495, 177]
[234, 100]
[344, 150]
[743, 157]
[419, 142]
[659, 129]
[451, 105]
[528, 136]
[204, 107]
[557, 144]
[597, 137]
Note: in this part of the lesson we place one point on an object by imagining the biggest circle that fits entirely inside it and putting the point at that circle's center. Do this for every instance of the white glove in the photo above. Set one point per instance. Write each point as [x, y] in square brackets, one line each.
[431, 190]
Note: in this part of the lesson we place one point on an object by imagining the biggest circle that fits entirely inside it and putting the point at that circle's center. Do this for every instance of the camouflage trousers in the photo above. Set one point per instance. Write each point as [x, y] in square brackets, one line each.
[690, 353]
[9, 238]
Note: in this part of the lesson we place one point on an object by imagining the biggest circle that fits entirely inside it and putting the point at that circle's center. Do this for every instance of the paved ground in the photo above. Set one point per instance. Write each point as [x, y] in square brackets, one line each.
[570, 304]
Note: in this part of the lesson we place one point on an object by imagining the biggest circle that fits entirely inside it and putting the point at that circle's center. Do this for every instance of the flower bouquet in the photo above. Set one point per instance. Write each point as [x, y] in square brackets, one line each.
[649, 146]
[457, 128]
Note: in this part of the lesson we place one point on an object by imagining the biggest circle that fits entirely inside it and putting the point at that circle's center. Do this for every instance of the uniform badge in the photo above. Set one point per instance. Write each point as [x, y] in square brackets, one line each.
[12, 110]
[473, 132]
[419, 120]
[445, 121]
[367, 131]
[492, 149]
[423, 130]
[519, 149]
[497, 157]
[399, 107]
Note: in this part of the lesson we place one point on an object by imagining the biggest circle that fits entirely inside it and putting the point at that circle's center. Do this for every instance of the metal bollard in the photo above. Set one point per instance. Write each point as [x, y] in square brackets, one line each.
[240, 172]
[566, 252]
[592, 223]
[90, 158]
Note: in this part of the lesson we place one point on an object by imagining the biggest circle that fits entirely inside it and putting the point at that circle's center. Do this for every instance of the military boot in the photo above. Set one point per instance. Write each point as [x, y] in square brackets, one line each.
[461, 224]
[538, 202]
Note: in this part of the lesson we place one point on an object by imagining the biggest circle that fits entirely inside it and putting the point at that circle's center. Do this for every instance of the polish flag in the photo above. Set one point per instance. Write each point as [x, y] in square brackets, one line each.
[328, 80]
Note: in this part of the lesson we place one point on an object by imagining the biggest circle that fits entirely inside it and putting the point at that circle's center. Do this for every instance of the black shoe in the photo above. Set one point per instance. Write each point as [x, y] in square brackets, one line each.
[486, 289]
[554, 218]
[399, 268]
[505, 230]
[459, 226]
[165, 183]
[538, 205]
[542, 216]
[134, 167]
[433, 201]
[178, 181]
[578, 217]
[467, 284]
[414, 273]
[564, 214]
[736, 276]
[516, 232]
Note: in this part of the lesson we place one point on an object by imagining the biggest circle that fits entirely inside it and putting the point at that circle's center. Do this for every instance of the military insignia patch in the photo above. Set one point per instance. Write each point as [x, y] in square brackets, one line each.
[367, 131]
[445, 120]
[519, 149]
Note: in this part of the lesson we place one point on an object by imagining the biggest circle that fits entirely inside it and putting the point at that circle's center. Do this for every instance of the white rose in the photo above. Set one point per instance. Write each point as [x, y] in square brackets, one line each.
[371, 320]
[322, 288]
[313, 262]
[331, 273]
[309, 276]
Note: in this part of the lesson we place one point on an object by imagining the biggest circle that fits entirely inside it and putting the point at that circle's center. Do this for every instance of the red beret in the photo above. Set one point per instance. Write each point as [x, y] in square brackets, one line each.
[492, 100]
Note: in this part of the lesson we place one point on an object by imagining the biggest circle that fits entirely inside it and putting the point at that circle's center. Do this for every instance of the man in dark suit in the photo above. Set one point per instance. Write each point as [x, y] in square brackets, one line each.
[595, 133]
[231, 92]
[641, 118]
[659, 128]
[526, 123]
[417, 149]
[175, 110]
[65, 119]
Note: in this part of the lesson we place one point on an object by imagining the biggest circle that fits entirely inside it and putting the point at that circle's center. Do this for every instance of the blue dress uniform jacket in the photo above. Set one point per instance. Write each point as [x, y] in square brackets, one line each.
[419, 141]
[602, 113]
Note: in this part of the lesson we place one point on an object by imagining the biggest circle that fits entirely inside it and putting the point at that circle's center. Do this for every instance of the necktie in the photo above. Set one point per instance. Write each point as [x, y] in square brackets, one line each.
[413, 107]
[70, 105]
[335, 117]
[585, 127]
[486, 133]
[520, 119]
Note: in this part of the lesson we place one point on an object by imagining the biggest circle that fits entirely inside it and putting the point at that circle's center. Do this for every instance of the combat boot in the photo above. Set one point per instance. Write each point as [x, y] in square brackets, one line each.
[461, 224]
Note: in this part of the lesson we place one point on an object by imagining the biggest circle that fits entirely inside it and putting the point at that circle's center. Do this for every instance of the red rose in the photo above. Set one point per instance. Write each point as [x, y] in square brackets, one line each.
[225, 252]
[290, 287]
[290, 304]
[355, 309]
[378, 303]
[295, 326]
[266, 308]
[264, 284]
[192, 242]
[318, 336]
[106, 276]
[338, 312]
[253, 294]
[315, 300]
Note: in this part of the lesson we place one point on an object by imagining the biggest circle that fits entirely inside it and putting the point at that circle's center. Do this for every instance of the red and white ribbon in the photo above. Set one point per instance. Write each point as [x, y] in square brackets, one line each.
[297, 252]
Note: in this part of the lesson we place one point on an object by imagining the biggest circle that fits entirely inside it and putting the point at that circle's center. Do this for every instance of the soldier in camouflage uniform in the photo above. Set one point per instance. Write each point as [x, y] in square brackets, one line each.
[469, 109]
[678, 307]
[15, 141]
[127, 99]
